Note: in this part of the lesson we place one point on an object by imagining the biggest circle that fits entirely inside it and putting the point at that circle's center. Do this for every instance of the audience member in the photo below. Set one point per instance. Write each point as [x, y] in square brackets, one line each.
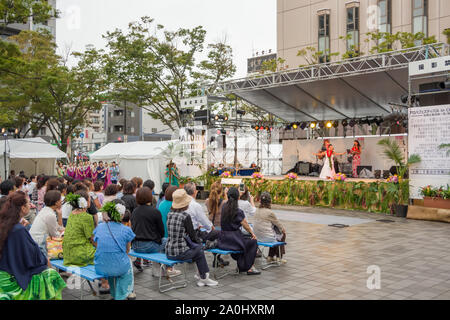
[231, 237]
[183, 243]
[24, 274]
[268, 228]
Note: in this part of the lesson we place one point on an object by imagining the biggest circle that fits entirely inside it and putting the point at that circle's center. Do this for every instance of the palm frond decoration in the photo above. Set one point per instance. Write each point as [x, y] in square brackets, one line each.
[392, 151]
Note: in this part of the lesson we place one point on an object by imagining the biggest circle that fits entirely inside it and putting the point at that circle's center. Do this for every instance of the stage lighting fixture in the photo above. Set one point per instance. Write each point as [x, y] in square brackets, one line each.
[368, 122]
[303, 125]
[219, 131]
[226, 118]
[295, 126]
[336, 124]
[288, 127]
[216, 117]
[329, 124]
[352, 123]
[267, 128]
[261, 128]
[344, 122]
[378, 121]
[256, 127]
[313, 125]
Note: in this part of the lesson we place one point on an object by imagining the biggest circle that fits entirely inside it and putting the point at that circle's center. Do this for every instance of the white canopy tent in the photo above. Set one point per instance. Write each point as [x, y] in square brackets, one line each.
[138, 159]
[31, 155]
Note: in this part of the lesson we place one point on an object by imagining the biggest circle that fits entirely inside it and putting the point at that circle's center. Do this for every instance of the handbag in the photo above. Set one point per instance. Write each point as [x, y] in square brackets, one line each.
[54, 248]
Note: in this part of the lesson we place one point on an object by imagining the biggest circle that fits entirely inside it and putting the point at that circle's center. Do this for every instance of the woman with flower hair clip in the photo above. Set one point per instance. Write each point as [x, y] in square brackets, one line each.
[78, 248]
[113, 241]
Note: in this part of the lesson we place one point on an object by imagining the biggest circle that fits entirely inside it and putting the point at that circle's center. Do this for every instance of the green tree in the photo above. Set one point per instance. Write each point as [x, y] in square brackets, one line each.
[155, 68]
[20, 11]
[41, 90]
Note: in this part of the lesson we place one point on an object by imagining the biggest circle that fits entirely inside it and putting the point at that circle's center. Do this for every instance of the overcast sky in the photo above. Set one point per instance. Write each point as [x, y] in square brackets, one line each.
[249, 25]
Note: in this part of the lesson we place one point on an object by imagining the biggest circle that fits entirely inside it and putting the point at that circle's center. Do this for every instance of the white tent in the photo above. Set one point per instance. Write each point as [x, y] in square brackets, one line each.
[32, 155]
[136, 159]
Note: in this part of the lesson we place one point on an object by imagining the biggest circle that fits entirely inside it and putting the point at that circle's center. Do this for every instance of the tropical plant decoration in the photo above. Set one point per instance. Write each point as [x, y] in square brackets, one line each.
[291, 176]
[373, 197]
[394, 179]
[339, 177]
[445, 146]
[393, 152]
[433, 192]
[226, 174]
[257, 175]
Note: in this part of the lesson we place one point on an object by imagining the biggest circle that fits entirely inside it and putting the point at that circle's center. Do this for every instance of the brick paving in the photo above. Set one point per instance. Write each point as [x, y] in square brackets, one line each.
[328, 263]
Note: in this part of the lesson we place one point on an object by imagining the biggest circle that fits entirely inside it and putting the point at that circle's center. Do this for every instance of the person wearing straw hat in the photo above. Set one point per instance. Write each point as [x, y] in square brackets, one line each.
[182, 243]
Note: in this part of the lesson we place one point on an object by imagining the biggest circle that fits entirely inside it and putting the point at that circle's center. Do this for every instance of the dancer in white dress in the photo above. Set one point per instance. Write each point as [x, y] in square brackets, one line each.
[328, 170]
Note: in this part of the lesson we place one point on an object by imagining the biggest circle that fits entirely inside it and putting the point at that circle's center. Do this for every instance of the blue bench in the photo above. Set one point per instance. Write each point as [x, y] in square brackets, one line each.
[216, 267]
[162, 259]
[87, 274]
[271, 245]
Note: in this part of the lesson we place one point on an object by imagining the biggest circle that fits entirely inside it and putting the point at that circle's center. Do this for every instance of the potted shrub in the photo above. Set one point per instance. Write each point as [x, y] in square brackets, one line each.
[436, 197]
[393, 152]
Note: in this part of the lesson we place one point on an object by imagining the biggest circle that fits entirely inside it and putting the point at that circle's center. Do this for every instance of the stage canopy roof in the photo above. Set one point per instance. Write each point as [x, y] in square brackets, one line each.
[354, 88]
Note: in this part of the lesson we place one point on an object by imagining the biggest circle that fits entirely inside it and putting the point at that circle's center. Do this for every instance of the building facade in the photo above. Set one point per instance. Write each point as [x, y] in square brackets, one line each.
[341, 26]
[123, 123]
[16, 28]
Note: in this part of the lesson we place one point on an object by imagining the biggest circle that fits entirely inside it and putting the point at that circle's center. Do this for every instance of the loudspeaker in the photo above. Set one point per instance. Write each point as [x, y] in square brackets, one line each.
[359, 168]
[303, 168]
[386, 174]
[377, 174]
[346, 168]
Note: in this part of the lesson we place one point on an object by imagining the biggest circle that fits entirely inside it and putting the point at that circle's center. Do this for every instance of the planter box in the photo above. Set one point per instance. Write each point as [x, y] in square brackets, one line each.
[436, 203]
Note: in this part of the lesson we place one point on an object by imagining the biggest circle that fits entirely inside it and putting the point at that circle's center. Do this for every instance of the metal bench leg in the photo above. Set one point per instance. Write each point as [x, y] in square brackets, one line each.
[218, 277]
[265, 266]
[172, 284]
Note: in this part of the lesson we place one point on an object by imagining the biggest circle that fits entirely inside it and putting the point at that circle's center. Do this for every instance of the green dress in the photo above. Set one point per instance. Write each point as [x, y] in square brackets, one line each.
[47, 285]
[174, 181]
[77, 247]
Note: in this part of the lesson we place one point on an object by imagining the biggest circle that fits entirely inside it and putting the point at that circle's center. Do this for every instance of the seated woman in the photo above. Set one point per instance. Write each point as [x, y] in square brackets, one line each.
[113, 242]
[78, 248]
[268, 228]
[147, 224]
[24, 274]
[215, 202]
[231, 237]
[46, 222]
[183, 243]
[166, 205]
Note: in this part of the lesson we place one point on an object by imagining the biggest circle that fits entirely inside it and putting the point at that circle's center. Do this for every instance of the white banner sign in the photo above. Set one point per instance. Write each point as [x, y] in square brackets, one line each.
[429, 127]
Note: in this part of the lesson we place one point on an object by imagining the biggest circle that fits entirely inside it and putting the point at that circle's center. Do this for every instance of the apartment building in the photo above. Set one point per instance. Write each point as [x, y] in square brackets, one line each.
[338, 26]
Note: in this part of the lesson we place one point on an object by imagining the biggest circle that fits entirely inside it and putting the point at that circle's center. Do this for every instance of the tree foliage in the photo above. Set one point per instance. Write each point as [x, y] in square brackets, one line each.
[40, 90]
[154, 67]
[20, 11]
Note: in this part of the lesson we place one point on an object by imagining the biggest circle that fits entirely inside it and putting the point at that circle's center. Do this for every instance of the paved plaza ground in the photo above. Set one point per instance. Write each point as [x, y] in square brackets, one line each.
[331, 263]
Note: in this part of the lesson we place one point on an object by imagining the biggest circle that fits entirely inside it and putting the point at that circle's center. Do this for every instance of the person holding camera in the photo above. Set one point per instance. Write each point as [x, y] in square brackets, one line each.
[246, 202]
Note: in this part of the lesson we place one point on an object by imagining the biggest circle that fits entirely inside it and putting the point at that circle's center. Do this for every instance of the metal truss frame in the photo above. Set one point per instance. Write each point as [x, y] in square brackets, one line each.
[352, 67]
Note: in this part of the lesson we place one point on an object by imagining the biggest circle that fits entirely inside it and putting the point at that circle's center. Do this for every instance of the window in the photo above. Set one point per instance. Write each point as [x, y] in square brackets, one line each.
[132, 114]
[118, 128]
[385, 16]
[420, 18]
[154, 130]
[324, 38]
[132, 130]
[43, 131]
[118, 113]
[353, 29]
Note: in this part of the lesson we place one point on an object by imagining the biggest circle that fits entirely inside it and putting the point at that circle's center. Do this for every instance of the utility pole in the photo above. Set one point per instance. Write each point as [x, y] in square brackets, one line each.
[235, 139]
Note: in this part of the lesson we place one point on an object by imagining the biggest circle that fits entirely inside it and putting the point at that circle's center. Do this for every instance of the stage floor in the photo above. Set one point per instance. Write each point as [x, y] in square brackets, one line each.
[306, 178]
